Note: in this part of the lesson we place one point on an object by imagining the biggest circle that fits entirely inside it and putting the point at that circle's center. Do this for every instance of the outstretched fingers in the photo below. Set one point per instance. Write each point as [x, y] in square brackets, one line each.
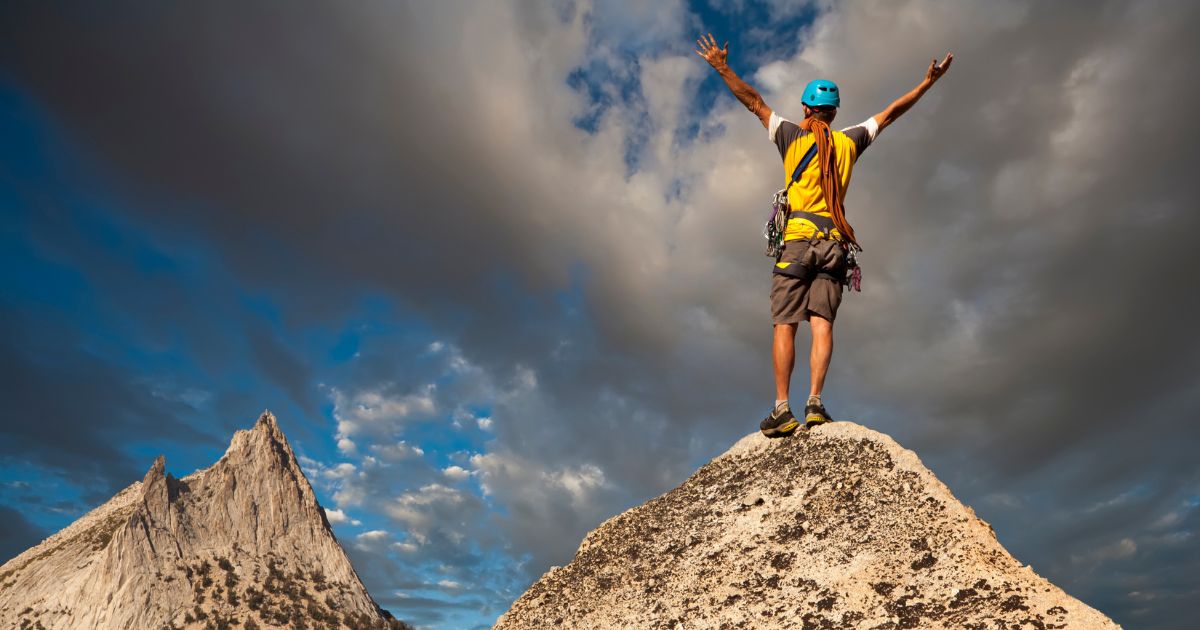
[709, 50]
[937, 69]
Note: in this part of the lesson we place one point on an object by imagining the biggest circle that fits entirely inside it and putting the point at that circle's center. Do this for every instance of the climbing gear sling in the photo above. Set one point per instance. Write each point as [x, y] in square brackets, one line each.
[781, 209]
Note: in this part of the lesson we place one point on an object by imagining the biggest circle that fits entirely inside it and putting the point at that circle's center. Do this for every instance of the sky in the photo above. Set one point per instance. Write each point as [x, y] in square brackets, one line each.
[497, 267]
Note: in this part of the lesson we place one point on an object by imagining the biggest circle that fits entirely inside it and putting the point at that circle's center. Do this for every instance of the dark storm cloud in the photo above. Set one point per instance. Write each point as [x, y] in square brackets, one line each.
[368, 151]
[282, 366]
[73, 412]
[1056, 270]
[1028, 228]
[1029, 296]
[18, 534]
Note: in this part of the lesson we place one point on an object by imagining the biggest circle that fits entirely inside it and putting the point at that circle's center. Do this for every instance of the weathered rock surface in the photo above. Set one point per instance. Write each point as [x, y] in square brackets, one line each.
[243, 541]
[835, 528]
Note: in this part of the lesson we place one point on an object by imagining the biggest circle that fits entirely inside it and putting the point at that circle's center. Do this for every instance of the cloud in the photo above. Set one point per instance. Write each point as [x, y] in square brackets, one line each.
[342, 470]
[19, 534]
[456, 473]
[1123, 548]
[378, 413]
[406, 547]
[396, 451]
[338, 517]
[586, 240]
[71, 412]
[540, 498]
[373, 535]
[435, 510]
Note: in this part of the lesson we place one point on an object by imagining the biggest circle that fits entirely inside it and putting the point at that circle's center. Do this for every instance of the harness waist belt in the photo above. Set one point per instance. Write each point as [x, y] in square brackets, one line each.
[823, 223]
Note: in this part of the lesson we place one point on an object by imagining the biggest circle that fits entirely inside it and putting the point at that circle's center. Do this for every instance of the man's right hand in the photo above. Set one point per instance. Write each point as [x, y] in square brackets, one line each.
[716, 57]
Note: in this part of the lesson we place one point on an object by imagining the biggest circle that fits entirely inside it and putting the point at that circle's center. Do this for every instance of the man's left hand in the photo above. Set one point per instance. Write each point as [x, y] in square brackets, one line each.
[936, 70]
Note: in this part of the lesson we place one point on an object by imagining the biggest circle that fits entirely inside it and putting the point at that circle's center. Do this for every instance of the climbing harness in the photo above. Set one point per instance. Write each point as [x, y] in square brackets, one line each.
[781, 212]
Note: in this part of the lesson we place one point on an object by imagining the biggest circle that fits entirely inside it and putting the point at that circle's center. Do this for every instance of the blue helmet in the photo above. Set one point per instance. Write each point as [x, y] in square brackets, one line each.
[821, 92]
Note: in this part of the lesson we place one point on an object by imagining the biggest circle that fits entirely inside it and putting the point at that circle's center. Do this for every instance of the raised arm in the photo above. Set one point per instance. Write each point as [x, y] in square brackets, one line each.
[716, 57]
[902, 104]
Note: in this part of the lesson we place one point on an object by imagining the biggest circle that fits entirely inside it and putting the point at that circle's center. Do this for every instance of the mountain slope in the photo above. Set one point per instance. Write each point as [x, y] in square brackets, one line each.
[839, 527]
[242, 541]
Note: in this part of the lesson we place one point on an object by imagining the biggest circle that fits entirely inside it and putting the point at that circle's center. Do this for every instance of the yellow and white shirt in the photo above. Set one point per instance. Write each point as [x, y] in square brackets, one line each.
[805, 195]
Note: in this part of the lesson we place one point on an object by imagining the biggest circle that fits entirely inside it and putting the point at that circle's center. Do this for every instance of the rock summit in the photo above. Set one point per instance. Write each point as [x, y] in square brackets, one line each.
[839, 527]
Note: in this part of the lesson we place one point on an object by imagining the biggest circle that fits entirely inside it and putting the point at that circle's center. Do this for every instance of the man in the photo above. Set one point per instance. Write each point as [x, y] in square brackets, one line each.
[807, 280]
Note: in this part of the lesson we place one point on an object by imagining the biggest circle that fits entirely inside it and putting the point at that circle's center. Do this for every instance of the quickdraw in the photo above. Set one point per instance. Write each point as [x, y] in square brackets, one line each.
[853, 269]
[776, 225]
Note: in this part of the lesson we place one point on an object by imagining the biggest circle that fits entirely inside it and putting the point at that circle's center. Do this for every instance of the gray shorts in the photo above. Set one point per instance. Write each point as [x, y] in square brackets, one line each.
[807, 280]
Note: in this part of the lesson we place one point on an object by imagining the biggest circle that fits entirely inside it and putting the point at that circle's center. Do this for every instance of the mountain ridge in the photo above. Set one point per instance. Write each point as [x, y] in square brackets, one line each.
[243, 540]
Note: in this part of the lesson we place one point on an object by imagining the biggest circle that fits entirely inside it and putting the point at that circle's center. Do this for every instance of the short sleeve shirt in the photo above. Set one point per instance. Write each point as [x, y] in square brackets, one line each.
[794, 145]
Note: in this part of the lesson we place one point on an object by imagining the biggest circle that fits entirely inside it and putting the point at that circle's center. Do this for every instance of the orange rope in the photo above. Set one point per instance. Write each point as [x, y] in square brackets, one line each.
[831, 184]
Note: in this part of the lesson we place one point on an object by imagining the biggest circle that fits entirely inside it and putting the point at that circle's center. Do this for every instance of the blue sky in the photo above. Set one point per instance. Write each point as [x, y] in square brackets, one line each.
[497, 271]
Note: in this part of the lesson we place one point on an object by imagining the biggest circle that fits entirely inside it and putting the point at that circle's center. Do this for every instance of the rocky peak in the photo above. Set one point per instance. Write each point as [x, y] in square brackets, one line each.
[263, 443]
[241, 541]
[839, 527]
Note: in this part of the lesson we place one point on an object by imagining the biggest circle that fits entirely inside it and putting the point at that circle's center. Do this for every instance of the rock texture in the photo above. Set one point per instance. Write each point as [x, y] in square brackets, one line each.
[242, 542]
[839, 527]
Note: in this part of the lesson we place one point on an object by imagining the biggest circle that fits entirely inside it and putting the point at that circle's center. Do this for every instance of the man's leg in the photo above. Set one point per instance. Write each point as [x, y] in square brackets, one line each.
[822, 352]
[784, 354]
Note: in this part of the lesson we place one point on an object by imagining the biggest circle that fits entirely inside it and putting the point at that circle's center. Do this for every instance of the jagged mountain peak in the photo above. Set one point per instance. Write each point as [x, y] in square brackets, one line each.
[838, 527]
[263, 439]
[146, 558]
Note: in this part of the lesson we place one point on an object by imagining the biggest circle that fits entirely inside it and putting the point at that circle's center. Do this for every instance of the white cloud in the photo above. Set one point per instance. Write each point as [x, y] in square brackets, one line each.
[373, 535]
[485, 423]
[410, 507]
[405, 546]
[579, 482]
[372, 541]
[341, 471]
[456, 473]
[350, 494]
[449, 584]
[378, 412]
[551, 498]
[396, 451]
[439, 518]
[338, 517]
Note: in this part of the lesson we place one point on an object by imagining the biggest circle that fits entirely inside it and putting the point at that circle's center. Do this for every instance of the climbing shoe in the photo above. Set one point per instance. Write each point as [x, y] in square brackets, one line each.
[814, 413]
[781, 422]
